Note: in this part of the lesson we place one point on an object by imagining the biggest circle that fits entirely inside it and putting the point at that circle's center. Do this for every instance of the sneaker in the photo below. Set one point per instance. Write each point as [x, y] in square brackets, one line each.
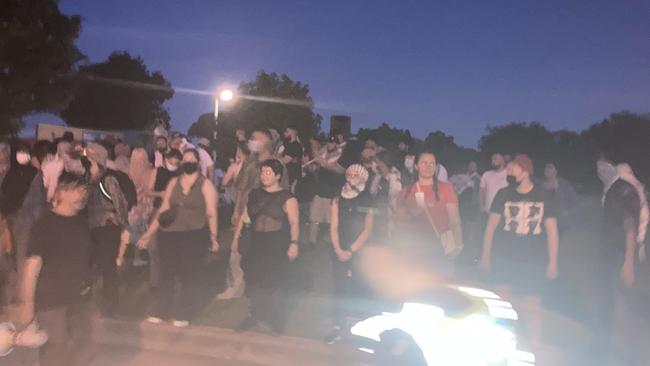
[334, 336]
[181, 323]
[31, 336]
[7, 332]
[154, 320]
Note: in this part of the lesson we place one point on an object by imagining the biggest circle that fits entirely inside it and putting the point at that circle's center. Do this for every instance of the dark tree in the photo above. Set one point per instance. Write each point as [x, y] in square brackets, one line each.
[275, 101]
[625, 137]
[532, 139]
[119, 93]
[271, 101]
[37, 53]
[385, 135]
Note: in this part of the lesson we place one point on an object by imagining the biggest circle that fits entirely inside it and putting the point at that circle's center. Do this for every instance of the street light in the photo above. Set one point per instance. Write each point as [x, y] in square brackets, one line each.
[225, 95]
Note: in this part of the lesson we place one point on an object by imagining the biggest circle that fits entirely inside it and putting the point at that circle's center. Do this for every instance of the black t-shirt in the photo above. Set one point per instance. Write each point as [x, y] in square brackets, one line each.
[293, 150]
[64, 245]
[621, 202]
[521, 234]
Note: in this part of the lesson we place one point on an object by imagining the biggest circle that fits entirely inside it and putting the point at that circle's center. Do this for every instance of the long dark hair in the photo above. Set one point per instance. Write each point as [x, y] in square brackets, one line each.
[435, 174]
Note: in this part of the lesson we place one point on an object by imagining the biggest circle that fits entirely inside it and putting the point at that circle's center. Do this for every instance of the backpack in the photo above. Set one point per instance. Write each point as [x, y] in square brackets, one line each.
[127, 187]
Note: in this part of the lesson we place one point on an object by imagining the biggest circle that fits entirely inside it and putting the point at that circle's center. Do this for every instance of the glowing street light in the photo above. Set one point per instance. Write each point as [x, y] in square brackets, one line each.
[226, 96]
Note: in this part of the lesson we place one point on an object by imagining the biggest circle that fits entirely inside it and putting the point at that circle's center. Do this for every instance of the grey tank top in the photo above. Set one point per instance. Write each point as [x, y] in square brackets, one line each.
[190, 208]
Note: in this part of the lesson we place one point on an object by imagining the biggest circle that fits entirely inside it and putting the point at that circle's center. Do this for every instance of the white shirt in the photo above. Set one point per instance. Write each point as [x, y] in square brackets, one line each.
[493, 181]
[205, 161]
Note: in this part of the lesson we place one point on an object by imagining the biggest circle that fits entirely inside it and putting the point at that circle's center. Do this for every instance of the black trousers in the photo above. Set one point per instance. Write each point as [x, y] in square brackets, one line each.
[266, 271]
[106, 244]
[181, 261]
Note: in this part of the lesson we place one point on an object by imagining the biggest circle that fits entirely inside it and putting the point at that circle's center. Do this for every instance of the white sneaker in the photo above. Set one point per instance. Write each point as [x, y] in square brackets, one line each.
[154, 320]
[31, 337]
[180, 323]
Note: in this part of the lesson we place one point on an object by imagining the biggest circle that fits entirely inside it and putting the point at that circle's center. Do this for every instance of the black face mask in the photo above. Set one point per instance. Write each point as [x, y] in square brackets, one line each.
[512, 181]
[189, 168]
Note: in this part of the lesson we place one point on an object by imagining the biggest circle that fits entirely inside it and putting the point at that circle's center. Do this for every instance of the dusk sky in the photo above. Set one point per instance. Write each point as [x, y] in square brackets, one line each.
[454, 66]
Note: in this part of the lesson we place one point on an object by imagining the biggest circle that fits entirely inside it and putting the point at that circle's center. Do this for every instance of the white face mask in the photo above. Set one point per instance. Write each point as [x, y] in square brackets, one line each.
[255, 146]
[23, 158]
[409, 163]
[171, 168]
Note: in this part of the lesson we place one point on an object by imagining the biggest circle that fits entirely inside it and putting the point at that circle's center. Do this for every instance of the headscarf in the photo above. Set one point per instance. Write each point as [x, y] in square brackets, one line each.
[609, 174]
[350, 190]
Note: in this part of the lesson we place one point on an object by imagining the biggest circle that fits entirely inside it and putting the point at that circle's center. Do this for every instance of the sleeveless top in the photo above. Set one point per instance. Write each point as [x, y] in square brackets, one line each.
[163, 177]
[190, 208]
[266, 210]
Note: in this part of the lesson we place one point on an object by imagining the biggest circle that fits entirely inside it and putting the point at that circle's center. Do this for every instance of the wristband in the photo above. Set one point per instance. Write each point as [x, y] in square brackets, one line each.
[294, 242]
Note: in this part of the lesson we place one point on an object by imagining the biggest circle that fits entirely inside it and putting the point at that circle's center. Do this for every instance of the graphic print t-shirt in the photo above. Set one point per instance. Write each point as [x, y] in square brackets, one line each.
[521, 234]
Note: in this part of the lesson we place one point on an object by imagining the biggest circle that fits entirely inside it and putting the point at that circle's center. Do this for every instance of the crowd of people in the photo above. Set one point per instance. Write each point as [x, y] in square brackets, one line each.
[70, 209]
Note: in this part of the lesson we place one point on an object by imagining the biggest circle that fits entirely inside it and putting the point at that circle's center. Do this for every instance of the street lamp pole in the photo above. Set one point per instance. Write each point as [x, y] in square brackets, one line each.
[225, 95]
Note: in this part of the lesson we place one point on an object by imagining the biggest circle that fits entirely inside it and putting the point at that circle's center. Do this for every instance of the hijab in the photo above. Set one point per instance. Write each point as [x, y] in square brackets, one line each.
[351, 190]
[609, 174]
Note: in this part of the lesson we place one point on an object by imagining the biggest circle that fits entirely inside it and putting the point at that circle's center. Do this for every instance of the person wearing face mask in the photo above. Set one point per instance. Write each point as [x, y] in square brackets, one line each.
[158, 182]
[623, 233]
[524, 255]
[260, 147]
[350, 229]
[186, 224]
[55, 286]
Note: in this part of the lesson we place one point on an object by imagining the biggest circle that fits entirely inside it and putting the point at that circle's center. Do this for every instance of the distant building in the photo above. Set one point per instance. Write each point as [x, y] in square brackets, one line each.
[340, 124]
